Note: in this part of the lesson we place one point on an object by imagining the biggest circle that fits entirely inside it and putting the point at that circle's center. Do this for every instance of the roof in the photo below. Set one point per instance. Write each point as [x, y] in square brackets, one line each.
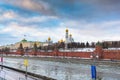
[24, 40]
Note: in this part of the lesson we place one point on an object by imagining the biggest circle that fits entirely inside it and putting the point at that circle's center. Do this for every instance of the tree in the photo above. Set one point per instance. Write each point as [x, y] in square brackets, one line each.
[40, 47]
[98, 43]
[35, 48]
[6, 50]
[82, 45]
[105, 45]
[87, 45]
[20, 48]
[74, 45]
[93, 45]
[78, 45]
[60, 45]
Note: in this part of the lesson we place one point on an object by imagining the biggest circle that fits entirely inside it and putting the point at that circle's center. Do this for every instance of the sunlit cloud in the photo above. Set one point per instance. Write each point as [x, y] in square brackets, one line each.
[87, 20]
[90, 32]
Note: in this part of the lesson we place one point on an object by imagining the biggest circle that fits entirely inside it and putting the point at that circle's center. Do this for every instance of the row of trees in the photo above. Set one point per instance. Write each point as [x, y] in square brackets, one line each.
[76, 45]
[6, 49]
[111, 44]
[59, 46]
[70, 45]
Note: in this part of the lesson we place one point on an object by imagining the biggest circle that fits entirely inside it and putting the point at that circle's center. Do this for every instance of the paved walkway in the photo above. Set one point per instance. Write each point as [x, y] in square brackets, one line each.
[7, 74]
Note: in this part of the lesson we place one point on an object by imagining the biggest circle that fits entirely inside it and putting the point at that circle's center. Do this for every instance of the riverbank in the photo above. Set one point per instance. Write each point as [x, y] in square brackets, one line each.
[66, 68]
[32, 75]
[71, 60]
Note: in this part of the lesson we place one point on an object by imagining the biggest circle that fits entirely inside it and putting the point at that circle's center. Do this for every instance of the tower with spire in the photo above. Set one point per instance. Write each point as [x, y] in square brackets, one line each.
[71, 38]
[66, 38]
[49, 40]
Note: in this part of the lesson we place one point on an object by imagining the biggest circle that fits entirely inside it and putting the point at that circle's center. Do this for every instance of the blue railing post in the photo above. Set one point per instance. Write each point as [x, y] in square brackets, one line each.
[93, 72]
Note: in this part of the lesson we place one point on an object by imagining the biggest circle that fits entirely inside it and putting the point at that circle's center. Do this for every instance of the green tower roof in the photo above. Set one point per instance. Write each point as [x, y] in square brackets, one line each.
[24, 40]
[98, 44]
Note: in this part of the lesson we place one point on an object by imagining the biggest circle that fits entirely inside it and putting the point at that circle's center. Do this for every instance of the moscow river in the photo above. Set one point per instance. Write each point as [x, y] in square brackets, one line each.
[64, 70]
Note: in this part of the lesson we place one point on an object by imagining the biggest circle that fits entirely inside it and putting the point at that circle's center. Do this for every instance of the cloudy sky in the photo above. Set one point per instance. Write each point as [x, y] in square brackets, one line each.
[87, 20]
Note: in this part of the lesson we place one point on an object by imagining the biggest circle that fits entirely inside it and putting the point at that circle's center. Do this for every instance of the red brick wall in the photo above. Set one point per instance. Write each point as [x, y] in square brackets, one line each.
[98, 51]
[66, 54]
[111, 54]
[103, 54]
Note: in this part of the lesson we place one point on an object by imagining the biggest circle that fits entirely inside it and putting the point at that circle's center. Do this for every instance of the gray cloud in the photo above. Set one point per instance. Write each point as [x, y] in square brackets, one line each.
[104, 4]
[32, 5]
[73, 9]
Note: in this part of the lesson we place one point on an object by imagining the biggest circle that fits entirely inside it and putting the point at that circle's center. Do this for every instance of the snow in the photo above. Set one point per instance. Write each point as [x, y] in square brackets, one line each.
[8, 74]
[112, 49]
[78, 50]
[64, 71]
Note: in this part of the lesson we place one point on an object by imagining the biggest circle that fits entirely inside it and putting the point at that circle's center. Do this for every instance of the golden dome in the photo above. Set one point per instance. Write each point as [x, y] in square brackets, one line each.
[70, 35]
[61, 40]
[49, 38]
[67, 30]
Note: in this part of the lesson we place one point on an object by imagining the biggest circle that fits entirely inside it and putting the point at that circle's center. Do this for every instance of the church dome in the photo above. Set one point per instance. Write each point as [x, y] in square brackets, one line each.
[66, 30]
[49, 38]
[70, 35]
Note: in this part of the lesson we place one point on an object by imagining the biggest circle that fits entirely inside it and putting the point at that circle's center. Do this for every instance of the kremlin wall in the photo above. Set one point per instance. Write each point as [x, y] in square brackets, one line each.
[98, 52]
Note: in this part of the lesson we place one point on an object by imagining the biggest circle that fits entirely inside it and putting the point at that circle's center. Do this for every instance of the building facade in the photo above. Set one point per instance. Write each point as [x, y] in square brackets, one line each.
[25, 43]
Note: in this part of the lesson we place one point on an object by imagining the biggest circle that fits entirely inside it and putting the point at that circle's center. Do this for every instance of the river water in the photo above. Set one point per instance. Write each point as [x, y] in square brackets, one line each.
[64, 71]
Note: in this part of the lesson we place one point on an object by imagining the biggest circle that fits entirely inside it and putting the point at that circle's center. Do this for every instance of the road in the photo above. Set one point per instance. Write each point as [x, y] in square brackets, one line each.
[8, 74]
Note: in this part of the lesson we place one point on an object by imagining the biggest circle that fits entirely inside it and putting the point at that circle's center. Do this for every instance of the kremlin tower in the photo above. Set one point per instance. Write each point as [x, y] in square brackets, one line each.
[66, 39]
[71, 39]
[49, 40]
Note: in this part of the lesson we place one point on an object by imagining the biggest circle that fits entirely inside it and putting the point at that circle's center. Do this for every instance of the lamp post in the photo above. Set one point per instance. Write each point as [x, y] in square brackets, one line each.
[26, 63]
[93, 66]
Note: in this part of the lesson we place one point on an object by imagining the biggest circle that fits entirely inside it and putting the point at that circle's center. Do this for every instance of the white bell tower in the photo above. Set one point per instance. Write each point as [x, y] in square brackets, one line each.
[66, 38]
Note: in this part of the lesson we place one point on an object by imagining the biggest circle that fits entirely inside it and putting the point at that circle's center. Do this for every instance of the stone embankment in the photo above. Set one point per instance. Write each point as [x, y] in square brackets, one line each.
[29, 73]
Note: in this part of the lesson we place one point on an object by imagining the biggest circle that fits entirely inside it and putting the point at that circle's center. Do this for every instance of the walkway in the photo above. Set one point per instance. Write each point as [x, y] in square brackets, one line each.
[7, 74]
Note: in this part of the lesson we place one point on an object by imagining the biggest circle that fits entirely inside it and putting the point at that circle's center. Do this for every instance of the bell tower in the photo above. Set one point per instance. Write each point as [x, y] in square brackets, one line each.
[66, 38]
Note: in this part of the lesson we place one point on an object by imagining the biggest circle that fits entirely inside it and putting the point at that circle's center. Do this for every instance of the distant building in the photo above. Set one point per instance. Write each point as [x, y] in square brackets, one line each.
[48, 42]
[108, 44]
[68, 38]
[25, 44]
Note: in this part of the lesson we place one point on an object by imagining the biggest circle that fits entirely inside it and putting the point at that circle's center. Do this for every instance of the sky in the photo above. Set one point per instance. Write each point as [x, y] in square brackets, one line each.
[87, 20]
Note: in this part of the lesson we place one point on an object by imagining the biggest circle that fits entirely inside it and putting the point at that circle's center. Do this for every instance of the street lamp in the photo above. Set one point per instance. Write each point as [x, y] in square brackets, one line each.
[26, 62]
[93, 67]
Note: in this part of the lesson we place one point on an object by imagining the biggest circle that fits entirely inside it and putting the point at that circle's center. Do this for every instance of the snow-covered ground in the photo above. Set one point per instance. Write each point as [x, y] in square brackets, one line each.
[64, 71]
[112, 49]
[78, 50]
[7, 74]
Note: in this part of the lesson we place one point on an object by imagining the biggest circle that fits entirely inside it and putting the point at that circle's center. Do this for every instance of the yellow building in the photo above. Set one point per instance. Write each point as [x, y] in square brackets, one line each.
[25, 44]
[28, 44]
